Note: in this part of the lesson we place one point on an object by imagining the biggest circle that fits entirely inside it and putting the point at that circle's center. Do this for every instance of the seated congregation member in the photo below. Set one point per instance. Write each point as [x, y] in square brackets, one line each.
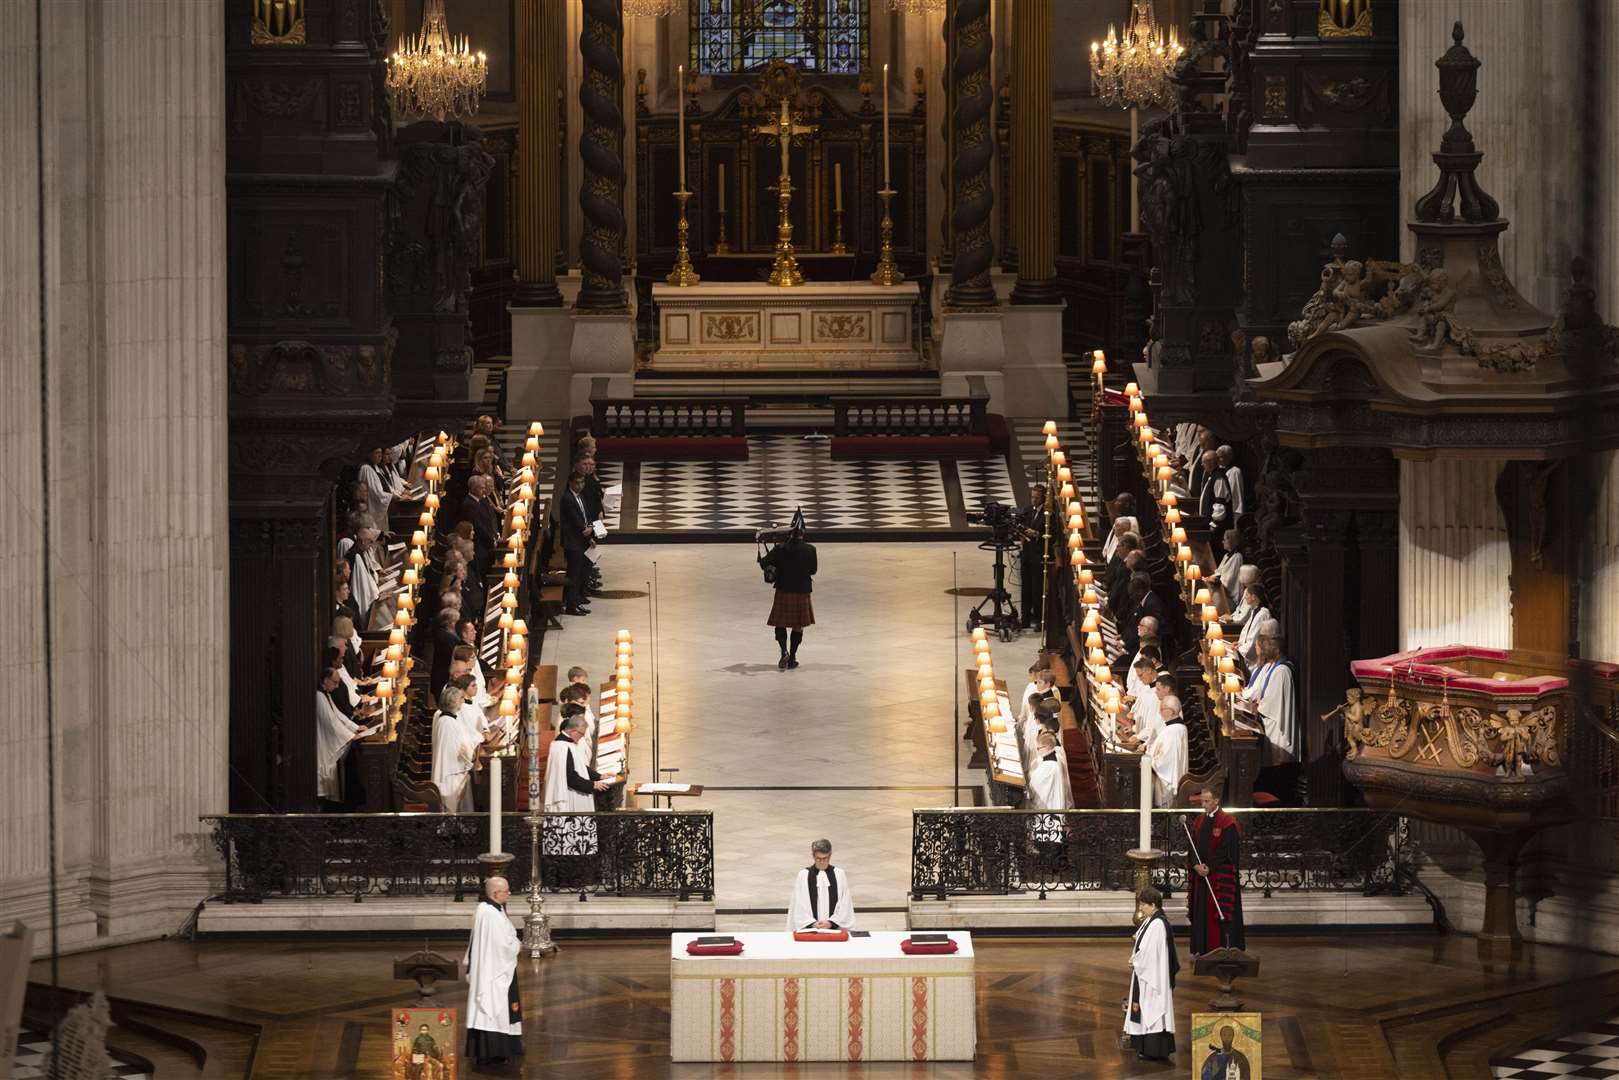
[1231, 562]
[1253, 599]
[577, 538]
[1124, 523]
[1149, 1010]
[335, 735]
[1167, 751]
[456, 746]
[821, 899]
[1268, 698]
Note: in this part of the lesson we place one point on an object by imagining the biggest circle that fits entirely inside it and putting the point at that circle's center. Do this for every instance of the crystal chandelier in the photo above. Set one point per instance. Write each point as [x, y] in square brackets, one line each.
[650, 9]
[1132, 71]
[916, 7]
[434, 75]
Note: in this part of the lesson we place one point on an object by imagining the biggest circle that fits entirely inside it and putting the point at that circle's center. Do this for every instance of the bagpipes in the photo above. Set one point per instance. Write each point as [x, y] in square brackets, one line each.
[772, 535]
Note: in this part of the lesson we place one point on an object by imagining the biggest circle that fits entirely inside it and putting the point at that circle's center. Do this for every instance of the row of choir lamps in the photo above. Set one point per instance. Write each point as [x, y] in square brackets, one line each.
[784, 270]
[1220, 677]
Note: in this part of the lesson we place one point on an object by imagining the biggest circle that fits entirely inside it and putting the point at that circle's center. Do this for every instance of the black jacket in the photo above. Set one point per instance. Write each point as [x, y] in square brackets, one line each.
[795, 566]
[594, 495]
[572, 523]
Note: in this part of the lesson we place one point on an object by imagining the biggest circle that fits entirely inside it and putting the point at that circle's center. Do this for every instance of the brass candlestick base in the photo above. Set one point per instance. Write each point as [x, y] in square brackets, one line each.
[887, 273]
[838, 246]
[722, 246]
[536, 925]
[682, 273]
[784, 271]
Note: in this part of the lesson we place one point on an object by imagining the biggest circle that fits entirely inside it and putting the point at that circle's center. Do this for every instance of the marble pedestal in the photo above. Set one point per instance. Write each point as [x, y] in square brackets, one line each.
[973, 343]
[749, 326]
[1035, 376]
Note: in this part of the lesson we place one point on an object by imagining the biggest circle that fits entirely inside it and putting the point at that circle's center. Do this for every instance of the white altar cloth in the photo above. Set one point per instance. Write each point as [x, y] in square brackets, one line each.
[855, 1000]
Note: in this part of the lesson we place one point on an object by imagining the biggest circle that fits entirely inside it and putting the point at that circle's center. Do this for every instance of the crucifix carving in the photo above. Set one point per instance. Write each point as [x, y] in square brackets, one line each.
[784, 271]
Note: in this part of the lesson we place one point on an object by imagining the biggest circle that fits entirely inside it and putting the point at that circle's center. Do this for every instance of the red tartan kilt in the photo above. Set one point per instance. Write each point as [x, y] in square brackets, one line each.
[792, 610]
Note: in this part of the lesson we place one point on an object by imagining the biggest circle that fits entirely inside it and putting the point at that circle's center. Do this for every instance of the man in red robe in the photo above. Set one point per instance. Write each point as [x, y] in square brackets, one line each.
[1219, 843]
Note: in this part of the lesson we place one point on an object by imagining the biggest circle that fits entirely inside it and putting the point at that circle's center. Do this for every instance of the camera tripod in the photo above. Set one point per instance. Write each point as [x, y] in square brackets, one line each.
[1004, 619]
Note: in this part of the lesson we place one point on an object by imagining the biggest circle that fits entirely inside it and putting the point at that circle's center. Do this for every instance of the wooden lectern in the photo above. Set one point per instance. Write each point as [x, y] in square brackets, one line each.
[1226, 965]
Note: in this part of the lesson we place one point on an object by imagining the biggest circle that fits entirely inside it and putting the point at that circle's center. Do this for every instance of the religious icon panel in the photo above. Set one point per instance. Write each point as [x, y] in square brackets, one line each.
[423, 1046]
[1226, 1046]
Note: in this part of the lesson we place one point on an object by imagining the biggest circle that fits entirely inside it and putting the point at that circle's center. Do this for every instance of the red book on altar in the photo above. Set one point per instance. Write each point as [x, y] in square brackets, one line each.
[694, 949]
[924, 948]
[820, 935]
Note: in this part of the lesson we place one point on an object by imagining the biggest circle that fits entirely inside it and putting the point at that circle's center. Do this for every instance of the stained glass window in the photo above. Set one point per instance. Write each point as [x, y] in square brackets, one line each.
[730, 37]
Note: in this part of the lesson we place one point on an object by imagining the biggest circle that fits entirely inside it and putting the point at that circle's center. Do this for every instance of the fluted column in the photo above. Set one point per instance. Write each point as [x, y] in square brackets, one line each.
[1032, 226]
[601, 141]
[539, 168]
[970, 286]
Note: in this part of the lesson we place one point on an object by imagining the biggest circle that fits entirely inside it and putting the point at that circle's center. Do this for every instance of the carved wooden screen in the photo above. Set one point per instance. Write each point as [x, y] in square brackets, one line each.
[733, 37]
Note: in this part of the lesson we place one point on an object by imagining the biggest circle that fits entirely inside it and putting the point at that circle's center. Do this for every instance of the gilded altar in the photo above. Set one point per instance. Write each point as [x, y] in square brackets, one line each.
[755, 327]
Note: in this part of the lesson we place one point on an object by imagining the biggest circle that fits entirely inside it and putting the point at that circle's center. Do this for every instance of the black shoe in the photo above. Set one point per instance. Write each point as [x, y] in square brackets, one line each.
[781, 665]
[792, 661]
[575, 611]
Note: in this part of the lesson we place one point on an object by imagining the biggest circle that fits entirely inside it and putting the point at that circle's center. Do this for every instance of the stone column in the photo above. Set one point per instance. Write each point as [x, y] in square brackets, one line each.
[601, 195]
[539, 168]
[1032, 202]
[970, 287]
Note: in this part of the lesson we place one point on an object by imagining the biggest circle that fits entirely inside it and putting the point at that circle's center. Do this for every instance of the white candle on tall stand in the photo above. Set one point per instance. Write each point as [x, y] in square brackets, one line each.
[886, 184]
[682, 122]
[494, 806]
[1145, 839]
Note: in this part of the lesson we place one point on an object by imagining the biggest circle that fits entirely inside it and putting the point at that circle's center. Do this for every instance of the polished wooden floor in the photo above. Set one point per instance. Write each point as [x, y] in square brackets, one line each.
[1408, 1007]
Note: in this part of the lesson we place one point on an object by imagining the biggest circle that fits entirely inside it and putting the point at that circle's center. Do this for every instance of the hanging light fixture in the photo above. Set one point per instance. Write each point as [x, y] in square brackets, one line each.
[650, 9]
[1131, 71]
[433, 74]
[916, 7]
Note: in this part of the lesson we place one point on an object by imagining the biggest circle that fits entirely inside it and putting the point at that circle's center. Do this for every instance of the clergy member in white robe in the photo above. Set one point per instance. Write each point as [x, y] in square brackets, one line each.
[455, 753]
[334, 735]
[1121, 525]
[821, 898]
[1149, 1010]
[382, 485]
[1226, 458]
[1248, 640]
[1231, 562]
[1041, 682]
[570, 788]
[1048, 790]
[363, 579]
[1167, 752]
[1269, 696]
[494, 1007]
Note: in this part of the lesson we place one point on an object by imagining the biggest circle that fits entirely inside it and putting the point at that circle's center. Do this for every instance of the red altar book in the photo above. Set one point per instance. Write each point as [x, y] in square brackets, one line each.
[820, 935]
[699, 947]
[926, 948]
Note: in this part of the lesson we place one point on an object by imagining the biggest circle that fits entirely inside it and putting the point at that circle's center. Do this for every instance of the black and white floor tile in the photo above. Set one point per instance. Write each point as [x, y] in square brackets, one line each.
[783, 473]
[1074, 435]
[29, 1062]
[1593, 1053]
[984, 478]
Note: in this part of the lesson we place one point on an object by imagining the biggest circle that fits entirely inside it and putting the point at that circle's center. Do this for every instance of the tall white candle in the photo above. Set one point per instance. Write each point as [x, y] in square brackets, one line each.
[886, 184]
[1145, 839]
[682, 96]
[494, 805]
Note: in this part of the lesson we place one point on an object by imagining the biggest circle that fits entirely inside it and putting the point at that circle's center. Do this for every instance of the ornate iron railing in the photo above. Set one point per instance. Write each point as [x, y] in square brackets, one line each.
[995, 850]
[624, 853]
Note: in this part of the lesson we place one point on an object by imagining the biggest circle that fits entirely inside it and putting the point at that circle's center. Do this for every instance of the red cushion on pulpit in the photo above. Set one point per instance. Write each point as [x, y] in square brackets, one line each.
[809, 935]
[694, 949]
[910, 949]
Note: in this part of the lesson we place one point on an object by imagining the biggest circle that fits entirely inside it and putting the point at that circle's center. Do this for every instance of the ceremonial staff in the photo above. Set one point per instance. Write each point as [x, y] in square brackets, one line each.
[1196, 855]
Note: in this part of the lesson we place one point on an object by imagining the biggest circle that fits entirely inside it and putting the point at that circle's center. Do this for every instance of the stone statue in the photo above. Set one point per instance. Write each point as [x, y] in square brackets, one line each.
[1350, 298]
[1319, 310]
[1437, 324]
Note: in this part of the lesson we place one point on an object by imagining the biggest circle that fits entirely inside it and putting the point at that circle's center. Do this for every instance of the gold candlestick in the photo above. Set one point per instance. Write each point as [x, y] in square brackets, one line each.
[838, 246]
[784, 271]
[887, 273]
[682, 274]
[722, 246]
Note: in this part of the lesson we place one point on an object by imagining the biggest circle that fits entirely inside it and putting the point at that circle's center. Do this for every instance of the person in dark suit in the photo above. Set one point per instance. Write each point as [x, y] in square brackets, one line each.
[445, 640]
[595, 497]
[485, 519]
[793, 564]
[577, 539]
[1031, 558]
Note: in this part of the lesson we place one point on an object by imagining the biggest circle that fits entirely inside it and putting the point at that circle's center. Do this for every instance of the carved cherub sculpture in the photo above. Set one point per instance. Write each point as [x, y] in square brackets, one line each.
[1351, 299]
[1438, 324]
[1354, 710]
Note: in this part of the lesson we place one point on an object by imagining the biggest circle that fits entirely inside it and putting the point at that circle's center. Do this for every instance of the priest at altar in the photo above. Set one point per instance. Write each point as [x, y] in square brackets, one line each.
[821, 897]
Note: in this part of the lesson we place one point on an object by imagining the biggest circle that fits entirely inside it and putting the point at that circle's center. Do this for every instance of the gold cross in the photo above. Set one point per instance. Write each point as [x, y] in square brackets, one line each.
[782, 130]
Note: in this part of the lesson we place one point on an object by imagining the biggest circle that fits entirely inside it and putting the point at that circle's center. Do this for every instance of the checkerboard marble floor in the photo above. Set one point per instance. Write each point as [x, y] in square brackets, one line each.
[785, 472]
[843, 747]
[1593, 1053]
[29, 1061]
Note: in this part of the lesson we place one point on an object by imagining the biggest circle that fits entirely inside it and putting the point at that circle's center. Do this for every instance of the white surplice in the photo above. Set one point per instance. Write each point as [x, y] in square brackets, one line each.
[1228, 571]
[455, 752]
[1248, 640]
[1149, 977]
[559, 797]
[1167, 752]
[334, 734]
[1234, 481]
[480, 688]
[1133, 686]
[1049, 790]
[380, 490]
[800, 913]
[363, 584]
[1270, 690]
[491, 965]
